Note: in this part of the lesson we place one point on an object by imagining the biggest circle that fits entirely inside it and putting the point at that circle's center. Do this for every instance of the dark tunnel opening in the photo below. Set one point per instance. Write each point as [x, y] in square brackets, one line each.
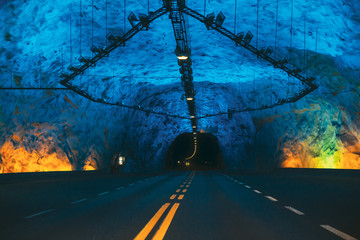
[208, 155]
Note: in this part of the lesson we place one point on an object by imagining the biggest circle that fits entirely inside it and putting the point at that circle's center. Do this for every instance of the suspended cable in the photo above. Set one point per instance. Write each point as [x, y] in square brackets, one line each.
[257, 24]
[106, 21]
[254, 82]
[92, 37]
[204, 7]
[92, 22]
[71, 50]
[80, 27]
[40, 73]
[276, 27]
[316, 42]
[305, 67]
[124, 15]
[62, 60]
[235, 17]
[291, 29]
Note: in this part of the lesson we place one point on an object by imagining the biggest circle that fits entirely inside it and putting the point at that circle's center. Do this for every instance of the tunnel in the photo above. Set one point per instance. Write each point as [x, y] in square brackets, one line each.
[71, 102]
[180, 119]
[206, 157]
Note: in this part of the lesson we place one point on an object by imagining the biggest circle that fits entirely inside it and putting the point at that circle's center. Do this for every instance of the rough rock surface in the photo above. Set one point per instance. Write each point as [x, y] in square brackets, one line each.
[39, 40]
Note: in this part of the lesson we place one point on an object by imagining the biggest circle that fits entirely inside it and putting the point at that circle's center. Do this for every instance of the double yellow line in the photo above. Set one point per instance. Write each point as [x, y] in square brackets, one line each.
[159, 235]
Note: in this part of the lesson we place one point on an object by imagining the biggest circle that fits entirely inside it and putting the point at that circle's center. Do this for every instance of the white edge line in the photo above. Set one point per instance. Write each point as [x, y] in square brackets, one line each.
[257, 191]
[119, 188]
[247, 186]
[294, 210]
[338, 232]
[100, 194]
[79, 201]
[39, 213]
[271, 198]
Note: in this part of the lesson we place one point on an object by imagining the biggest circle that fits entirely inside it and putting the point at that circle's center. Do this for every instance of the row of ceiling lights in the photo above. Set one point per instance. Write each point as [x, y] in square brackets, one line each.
[183, 53]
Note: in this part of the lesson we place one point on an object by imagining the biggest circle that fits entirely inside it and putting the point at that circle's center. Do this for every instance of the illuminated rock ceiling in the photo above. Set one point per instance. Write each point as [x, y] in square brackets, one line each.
[41, 39]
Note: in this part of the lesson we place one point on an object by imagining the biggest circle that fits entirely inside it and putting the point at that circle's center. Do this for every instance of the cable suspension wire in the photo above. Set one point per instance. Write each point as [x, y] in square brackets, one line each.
[124, 15]
[62, 60]
[40, 74]
[235, 17]
[291, 29]
[183, 55]
[276, 27]
[80, 27]
[71, 49]
[34, 88]
[257, 24]
[305, 67]
[316, 42]
[106, 21]
[204, 7]
[276, 39]
[92, 22]
[291, 35]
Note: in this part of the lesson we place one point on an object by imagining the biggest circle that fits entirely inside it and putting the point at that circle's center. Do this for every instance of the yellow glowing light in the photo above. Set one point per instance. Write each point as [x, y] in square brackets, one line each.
[20, 159]
[182, 57]
[195, 149]
[90, 164]
[189, 98]
[346, 157]
[121, 160]
[44, 155]
[194, 127]
[192, 116]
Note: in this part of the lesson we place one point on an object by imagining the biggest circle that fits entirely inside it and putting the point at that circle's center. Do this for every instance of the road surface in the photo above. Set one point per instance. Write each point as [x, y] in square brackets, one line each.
[183, 205]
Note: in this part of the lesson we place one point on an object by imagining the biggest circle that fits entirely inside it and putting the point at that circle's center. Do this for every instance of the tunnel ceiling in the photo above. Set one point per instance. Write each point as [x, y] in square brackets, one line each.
[148, 59]
[40, 40]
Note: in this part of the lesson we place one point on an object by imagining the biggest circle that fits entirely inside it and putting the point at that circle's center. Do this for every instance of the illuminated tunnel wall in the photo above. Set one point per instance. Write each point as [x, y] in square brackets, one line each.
[52, 130]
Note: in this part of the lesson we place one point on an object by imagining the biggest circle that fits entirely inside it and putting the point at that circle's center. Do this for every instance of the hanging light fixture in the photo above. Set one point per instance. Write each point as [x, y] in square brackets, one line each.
[182, 54]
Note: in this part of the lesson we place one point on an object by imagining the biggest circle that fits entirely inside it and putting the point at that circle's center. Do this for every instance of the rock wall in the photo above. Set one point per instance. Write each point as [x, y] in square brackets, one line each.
[45, 130]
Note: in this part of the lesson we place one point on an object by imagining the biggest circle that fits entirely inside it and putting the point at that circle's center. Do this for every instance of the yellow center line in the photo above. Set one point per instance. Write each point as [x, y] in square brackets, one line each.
[184, 190]
[178, 190]
[159, 235]
[181, 197]
[173, 196]
[149, 226]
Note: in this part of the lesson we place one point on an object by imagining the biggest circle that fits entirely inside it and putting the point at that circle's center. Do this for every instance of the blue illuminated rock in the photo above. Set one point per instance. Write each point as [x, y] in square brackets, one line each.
[40, 40]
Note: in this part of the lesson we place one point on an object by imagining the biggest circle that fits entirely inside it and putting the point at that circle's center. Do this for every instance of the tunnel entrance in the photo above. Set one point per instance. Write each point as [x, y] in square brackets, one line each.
[208, 154]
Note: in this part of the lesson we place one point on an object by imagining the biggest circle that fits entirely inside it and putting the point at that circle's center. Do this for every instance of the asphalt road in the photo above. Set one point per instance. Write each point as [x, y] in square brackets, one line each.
[183, 205]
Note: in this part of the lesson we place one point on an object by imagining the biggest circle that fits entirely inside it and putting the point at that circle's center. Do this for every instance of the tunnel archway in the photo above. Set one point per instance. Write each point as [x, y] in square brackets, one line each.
[208, 154]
